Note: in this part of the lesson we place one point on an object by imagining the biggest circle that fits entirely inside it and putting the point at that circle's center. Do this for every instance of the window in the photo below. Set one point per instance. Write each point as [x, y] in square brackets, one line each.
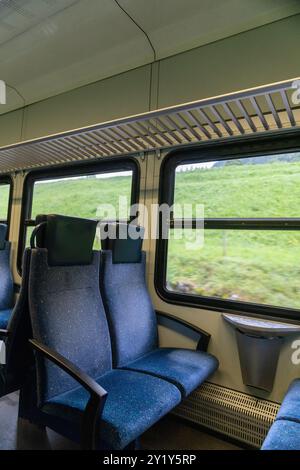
[250, 256]
[100, 192]
[5, 187]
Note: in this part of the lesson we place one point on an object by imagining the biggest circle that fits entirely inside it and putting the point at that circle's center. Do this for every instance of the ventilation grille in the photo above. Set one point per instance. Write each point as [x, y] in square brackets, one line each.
[263, 109]
[229, 412]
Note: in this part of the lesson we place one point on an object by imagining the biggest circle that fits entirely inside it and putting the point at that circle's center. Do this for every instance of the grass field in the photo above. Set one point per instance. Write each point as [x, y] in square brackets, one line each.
[255, 266]
[79, 197]
[4, 197]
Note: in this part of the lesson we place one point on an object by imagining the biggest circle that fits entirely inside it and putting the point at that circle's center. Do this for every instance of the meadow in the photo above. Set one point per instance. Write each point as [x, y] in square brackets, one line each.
[256, 266]
[260, 266]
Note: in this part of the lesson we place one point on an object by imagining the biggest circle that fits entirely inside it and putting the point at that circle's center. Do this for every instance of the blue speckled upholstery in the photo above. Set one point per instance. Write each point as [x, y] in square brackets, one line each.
[185, 368]
[134, 403]
[133, 326]
[6, 280]
[131, 318]
[290, 407]
[4, 318]
[67, 315]
[283, 435]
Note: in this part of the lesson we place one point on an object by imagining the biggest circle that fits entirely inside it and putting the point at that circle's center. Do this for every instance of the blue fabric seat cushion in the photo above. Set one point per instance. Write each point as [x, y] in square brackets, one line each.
[185, 368]
[134, 403]
[4, 318]
[290, 407]
[283, 435]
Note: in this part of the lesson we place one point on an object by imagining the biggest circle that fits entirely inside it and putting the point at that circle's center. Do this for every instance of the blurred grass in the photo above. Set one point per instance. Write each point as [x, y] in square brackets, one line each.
[254, 266]
[4, 198]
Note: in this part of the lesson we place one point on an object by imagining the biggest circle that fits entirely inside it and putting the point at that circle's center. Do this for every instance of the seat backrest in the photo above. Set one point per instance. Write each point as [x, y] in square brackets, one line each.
[19, 355]
[66, 309]
[130, 313]
[6, 280]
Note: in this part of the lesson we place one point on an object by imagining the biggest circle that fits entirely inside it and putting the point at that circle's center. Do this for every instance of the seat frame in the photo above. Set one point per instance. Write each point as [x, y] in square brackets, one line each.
[96, 402]
[204, 339]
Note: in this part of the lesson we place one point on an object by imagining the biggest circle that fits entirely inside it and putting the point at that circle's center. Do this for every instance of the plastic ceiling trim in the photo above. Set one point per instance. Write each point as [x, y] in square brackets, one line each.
[252, 111]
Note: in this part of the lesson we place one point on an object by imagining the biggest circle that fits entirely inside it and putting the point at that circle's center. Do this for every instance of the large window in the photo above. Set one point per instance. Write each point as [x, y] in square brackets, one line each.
[249, 257]
[101, 192]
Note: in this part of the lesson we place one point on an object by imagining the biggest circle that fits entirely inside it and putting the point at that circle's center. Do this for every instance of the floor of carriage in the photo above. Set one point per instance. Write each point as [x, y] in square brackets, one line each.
[169, 433]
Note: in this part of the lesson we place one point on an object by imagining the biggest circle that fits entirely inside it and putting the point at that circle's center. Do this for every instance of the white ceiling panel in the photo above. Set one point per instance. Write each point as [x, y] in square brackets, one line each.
[48, 47]
[85, 42]
[175, 26]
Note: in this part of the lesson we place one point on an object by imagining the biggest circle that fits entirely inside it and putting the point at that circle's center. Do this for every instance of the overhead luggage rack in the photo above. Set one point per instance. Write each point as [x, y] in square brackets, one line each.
[264, 109]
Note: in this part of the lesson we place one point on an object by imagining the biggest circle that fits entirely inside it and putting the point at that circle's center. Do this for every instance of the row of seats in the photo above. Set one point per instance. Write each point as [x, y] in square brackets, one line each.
[94, 311]
[99, 376]
[284, 433]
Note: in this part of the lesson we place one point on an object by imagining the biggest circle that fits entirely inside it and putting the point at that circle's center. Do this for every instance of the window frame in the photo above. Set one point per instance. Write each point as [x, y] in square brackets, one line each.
[7, 179]
[77, 169]
[235, 148]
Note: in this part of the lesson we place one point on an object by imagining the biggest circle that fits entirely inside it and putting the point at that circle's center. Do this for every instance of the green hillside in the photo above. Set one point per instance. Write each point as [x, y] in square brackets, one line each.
[79, 197]
[256, 266]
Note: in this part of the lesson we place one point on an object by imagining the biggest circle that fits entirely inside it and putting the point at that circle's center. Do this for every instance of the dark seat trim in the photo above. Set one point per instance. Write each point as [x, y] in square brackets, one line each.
[94, 407]
[203, 342]
[4, 333]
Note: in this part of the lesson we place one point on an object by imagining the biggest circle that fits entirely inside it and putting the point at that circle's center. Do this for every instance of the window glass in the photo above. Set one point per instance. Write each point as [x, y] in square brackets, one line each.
[242, 256]
[4, 200]
[101, 196]
[83, 196]
[258, 266]
[247, 187]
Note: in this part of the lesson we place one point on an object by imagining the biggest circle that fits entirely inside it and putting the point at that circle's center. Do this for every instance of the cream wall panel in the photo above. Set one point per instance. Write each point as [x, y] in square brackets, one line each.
[118, 96]
[11, 127]
[18, 181]
[122, 95]
[257, 57]
[223, 342]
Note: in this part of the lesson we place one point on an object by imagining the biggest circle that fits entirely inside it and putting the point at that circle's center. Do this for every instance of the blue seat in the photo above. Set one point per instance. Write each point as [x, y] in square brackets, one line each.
[134, 403]
[284, 433]
[290, 407]
[78, 393]
[185, 368]
[133, 321]
[4, 317]
[6, 280]
[15, 333]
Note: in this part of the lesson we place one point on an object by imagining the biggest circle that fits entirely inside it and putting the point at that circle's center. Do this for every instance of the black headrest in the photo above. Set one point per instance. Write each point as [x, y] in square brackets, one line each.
[69, 240]
[124, 240]
[3, 232]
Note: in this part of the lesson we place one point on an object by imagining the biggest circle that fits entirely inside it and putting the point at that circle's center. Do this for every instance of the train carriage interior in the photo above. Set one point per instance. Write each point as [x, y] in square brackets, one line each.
[150, 225]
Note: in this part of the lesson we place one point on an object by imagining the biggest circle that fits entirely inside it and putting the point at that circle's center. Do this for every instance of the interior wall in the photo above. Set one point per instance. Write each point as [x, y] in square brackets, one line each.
[223, 342]
[264, 55]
